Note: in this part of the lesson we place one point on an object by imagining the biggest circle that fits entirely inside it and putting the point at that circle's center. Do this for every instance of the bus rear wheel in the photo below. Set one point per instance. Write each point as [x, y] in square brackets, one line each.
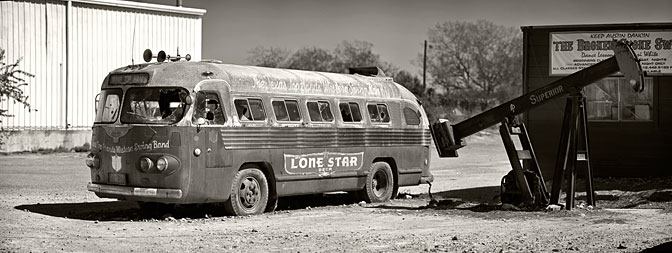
[379, 183]
[249, 193]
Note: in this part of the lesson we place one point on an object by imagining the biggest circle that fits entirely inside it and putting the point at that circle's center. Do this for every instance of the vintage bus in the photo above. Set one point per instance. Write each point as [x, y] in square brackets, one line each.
[202, 132]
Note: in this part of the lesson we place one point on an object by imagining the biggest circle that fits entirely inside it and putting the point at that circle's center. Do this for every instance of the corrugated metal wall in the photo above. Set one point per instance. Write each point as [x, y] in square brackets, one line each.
[102, 38]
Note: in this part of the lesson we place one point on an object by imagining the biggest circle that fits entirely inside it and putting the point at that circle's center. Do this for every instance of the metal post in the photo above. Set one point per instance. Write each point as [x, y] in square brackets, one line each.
[424, 67]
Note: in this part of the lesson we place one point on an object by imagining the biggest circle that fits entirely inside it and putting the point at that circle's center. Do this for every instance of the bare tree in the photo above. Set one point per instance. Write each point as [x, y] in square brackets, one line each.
[481, 61]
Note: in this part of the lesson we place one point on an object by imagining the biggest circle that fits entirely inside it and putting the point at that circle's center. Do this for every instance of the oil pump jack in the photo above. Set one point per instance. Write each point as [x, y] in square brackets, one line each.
[525, 184]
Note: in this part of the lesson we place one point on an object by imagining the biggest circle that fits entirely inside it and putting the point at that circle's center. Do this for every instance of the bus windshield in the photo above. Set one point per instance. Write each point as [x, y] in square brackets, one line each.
[154, 105]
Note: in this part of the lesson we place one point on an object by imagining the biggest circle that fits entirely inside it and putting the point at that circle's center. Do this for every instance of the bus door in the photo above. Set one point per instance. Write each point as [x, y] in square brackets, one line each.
[209, 117]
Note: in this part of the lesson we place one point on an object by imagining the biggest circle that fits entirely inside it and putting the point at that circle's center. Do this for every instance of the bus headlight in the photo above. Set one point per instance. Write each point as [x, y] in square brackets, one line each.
[146, 164]
[92, 161]
[162, 164]
[167, 164]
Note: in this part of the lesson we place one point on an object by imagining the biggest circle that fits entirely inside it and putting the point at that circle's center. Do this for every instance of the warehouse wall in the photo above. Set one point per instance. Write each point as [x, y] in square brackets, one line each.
[102, 38]
[70, 58]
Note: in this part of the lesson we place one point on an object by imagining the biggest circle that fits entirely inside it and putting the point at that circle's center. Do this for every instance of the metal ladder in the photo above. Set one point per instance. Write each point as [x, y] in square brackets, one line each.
[509, 127]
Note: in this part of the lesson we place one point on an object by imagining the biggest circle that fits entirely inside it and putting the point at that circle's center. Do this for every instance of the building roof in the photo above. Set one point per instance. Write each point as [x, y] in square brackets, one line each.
[143, 6]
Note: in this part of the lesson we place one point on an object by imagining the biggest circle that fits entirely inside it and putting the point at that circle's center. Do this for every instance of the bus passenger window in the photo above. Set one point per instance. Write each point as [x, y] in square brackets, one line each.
[280, 111]
[345, 112]
[350, 112]
[293, 110]
[373, 113]
[384, 116]
[356, 114]
[250, 109]
[286, 110]
[411, 116]
[378, 113]
[209, 108]
[257, 109]
[320, 111]
[325, 111]
[243, 109]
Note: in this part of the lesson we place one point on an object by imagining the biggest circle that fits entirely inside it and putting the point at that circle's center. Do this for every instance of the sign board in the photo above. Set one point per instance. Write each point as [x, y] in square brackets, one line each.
[573, 51]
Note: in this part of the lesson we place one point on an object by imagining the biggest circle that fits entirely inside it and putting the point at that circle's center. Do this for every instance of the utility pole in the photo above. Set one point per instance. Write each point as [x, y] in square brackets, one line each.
[424, 68]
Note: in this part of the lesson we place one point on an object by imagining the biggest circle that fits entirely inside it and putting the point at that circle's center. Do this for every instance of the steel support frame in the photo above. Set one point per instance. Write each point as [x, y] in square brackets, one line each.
[573, 137]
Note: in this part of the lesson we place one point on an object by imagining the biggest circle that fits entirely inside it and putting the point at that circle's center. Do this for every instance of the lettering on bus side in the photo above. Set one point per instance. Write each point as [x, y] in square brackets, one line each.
[322, 164]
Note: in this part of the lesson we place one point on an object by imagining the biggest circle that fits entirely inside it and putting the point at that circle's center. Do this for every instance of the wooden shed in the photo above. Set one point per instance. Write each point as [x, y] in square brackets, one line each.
[630, 133]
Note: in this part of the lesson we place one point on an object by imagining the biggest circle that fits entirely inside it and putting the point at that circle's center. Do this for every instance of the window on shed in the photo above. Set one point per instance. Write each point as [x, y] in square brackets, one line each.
[612, 99]
[378, 113]
[411, 116]
[350, 112]
[250, 109]
[320, 111]
[286, 110]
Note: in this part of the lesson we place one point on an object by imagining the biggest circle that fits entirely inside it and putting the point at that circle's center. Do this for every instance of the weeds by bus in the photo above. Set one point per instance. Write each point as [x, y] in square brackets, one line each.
[204, 132]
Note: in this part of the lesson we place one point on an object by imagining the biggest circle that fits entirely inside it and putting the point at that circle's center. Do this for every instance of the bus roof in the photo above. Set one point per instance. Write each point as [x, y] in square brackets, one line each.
[244, 79]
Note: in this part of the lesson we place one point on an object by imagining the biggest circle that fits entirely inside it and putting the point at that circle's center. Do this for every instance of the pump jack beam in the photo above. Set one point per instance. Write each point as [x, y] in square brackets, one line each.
[449, 138]
[624, 60]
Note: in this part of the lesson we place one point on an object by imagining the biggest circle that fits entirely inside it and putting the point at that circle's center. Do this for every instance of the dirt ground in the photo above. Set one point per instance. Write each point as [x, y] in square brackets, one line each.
[44, 206]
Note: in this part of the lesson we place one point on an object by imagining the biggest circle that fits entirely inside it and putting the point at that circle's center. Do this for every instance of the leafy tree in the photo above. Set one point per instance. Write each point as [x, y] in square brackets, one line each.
[479, 61]
[354, 54]
[272, 57]
[346, 55]
[311, 58]
[11, 81]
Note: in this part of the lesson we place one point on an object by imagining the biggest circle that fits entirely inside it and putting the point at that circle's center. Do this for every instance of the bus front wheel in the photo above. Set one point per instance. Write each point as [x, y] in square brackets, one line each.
[379, 183]
[249, 193]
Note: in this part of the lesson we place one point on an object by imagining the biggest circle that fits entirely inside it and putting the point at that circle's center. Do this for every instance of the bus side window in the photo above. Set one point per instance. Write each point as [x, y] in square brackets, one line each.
[293, 110]
[345, 112]
[286, 110]
[257, 109]
[350, 112]
[378, 113]
[280, 110]
[411, 116]
[384, 115]
[356, 114]
[250, 109]
[373, 113]
[320, 111]
[208, 107]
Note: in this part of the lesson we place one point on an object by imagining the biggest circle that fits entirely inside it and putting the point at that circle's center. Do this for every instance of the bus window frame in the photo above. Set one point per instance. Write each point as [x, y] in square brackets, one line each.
[222, 108]
[120, 96]
[348, 103]
[318, 100]
[284, 100]
[381, 122]
[247, 100]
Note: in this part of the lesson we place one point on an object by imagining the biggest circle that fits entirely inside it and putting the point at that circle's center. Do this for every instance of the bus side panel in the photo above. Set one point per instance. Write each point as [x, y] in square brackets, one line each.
[317, 170]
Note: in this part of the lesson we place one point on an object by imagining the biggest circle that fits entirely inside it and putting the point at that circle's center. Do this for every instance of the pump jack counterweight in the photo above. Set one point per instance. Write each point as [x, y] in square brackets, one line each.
[525, 184]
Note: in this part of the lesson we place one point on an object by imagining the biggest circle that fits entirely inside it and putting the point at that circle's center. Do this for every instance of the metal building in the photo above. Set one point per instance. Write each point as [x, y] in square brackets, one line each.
[70, 46]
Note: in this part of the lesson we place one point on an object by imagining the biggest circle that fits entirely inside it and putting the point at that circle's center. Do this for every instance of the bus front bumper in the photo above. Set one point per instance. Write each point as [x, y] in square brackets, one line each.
[135, 191]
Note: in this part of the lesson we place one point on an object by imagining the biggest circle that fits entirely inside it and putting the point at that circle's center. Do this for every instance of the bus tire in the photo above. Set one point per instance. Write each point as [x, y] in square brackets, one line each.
[379, 183]
[249, 193]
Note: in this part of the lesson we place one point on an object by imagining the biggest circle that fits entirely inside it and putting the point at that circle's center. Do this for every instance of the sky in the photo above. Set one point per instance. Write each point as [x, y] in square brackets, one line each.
[397, 28]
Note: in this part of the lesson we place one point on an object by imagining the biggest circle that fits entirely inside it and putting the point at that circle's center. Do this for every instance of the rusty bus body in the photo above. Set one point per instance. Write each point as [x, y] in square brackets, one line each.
[202, 132]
